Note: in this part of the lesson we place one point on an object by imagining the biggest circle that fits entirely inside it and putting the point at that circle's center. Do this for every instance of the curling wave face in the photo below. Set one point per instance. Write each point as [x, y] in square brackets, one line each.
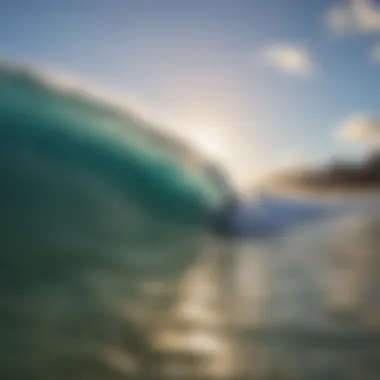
[97, 209]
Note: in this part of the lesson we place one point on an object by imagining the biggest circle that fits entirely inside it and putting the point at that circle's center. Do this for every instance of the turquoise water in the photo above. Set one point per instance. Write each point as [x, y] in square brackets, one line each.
[100, 216]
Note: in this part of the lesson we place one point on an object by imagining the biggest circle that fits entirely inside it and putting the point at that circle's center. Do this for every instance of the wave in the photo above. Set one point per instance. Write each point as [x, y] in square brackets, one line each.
[98, 206]
[43, 106]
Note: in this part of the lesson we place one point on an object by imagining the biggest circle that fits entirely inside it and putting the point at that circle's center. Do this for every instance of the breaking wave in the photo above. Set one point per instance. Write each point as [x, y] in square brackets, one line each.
[101, 213]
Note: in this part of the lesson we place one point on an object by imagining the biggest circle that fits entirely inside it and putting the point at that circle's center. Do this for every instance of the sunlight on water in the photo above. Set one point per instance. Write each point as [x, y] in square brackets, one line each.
[304, 306]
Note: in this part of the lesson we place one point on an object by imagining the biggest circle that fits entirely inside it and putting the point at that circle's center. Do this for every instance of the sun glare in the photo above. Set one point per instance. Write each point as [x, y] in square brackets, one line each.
[206, 141]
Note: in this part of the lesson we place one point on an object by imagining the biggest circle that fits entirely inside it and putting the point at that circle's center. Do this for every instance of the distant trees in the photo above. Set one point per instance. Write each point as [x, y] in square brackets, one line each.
[338, 174]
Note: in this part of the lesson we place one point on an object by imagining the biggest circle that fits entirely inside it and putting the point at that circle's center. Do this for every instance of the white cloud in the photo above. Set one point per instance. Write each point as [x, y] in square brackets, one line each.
[361, 128]
[354, 16]
[291, 59]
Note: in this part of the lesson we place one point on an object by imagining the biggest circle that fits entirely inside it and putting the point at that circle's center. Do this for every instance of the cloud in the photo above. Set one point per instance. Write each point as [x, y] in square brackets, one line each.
[354, 16]
[290, 59]
[360, 128]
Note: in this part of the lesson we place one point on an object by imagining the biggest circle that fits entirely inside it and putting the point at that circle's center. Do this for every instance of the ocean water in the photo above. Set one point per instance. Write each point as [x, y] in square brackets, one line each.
[109, 268]
[100, 217]
[305, 305]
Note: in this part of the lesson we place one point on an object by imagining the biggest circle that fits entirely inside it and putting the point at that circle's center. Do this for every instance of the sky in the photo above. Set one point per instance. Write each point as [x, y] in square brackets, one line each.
[262, 83]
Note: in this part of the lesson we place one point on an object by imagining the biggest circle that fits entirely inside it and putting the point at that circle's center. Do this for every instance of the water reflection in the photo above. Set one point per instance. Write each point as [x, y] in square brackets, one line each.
[192, 340]
[305, 306]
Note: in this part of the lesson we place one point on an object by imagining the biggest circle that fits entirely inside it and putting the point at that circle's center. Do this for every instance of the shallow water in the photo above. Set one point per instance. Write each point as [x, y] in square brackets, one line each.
[304, 306]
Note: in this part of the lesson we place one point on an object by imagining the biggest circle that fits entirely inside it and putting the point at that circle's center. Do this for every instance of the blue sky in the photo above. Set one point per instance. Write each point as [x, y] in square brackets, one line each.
[271, 80]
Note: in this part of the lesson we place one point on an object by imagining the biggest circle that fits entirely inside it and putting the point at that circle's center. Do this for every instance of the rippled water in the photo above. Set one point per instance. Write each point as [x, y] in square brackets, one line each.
[305, 306]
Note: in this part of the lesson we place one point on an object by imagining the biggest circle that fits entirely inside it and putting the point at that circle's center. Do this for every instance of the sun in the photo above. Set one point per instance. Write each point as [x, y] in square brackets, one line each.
[206, 141]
